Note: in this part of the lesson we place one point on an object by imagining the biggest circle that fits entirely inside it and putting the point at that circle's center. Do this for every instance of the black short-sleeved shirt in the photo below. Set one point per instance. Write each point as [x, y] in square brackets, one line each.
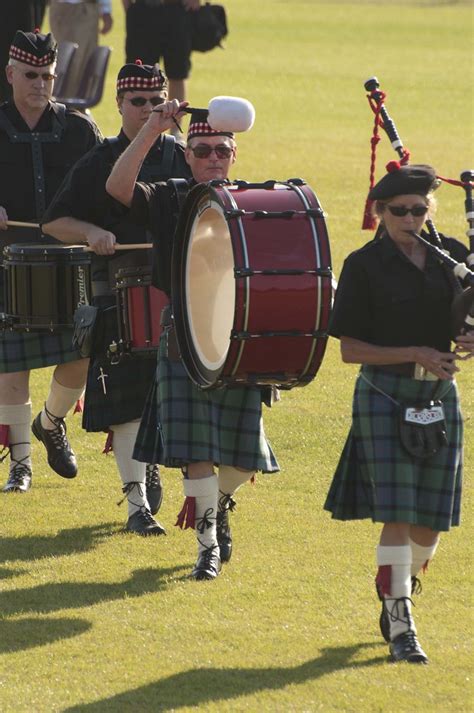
[156, 206]
[83, 195]
[384, 299]
[17, 185]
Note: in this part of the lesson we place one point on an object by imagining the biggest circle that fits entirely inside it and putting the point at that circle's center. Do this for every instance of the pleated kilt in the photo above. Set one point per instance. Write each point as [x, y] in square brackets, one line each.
[182, 424]
[377, 479]
[20, 351]
[126, 383]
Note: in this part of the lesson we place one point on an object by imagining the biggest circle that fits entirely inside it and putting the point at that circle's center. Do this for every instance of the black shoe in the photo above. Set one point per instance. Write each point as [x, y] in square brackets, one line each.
[407, 648]
[154, 488]
[384, 620]
[224, 535]
[61, 457]
[143, 523]
[208, 565]
[19, 480]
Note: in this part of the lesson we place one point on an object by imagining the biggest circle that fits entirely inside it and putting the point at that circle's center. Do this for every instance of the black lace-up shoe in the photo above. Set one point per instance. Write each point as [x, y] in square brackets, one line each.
[384, 620]
[19, 480]
[61, 457]
[208, 565]
[406, 647]
[154, 488]
[224, 535]
[143, 523]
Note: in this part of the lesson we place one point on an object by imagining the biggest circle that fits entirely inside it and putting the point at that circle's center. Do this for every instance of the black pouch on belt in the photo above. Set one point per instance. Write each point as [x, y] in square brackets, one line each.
[423, 429]
[85, 321]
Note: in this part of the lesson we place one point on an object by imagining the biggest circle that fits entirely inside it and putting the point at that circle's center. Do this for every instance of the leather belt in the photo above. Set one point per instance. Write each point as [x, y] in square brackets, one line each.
[410, 369]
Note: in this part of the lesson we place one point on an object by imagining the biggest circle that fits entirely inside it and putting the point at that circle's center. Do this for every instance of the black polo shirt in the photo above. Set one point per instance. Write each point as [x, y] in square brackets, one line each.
[384, 299]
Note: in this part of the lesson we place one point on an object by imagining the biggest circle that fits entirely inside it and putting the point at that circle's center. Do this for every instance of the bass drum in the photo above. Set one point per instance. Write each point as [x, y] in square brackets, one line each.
[251, 284]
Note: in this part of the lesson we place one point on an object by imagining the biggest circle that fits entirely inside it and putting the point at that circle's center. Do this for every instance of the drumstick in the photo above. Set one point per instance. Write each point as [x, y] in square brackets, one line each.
[118, 246]
[20, 224]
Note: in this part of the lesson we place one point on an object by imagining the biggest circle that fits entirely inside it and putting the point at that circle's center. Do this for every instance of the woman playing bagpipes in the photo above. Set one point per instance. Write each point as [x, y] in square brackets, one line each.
[402, 462]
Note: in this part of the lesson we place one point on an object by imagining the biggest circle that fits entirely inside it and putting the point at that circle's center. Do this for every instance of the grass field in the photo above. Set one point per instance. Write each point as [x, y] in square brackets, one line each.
[93, 620]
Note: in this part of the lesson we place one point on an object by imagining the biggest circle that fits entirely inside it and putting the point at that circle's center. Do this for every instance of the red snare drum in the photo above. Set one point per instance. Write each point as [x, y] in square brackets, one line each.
[139, 306]
[44, 284]
[251, 284]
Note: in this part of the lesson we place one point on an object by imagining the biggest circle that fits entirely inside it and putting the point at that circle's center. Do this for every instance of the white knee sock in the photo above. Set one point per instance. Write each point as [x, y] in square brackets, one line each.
[205, 492]
[131, 471]
[421, 556]
[18, 420]
[60, 400]
[396, 585]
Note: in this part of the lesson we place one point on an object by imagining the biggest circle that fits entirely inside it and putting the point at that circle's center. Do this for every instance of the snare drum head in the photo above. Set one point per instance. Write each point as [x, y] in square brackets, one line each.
[210, 285]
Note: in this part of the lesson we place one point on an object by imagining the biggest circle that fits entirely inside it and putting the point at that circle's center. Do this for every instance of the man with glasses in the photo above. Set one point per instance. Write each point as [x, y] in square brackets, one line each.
[183, 426]
[39, 142]
[83, 212]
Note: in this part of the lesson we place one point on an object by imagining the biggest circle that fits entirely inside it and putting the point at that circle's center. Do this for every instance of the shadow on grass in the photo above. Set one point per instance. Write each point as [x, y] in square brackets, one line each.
[28, 633]
[66, 542]
[74, 595]
[200, 686]
[5, 573]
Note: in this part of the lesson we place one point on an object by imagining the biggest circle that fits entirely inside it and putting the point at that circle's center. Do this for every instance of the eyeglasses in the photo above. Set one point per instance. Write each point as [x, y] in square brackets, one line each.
[204, 150]
[141, 101]
[400, 211]
[45, 76]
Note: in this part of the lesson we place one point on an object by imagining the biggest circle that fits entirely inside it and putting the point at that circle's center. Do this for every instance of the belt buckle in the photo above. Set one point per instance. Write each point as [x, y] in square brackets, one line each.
[422, 374]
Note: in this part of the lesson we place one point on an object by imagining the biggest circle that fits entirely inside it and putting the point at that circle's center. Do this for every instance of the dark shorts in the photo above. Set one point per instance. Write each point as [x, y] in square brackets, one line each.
[376, 478]
[161, 31]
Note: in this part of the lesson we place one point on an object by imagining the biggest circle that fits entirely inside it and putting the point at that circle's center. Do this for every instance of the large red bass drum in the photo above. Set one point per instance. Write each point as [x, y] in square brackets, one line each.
[251, 284]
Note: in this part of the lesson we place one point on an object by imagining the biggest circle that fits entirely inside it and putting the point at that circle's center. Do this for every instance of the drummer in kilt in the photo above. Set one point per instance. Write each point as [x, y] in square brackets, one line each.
[402, 462]
[83, 212]
[183, 426]
[40, 141]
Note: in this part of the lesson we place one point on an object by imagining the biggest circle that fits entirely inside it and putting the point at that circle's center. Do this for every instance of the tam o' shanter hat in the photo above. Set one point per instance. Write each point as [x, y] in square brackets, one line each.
[145, 77]
[418, 179]
[34, 48]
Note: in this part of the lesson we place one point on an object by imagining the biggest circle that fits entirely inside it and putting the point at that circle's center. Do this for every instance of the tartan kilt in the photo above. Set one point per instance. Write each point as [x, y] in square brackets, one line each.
[126, 383]
[377, 479]
[182, 424]
[21, 351]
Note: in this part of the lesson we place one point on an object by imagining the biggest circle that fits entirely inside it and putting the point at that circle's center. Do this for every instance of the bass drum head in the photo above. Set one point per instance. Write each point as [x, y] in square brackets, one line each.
[210, 288]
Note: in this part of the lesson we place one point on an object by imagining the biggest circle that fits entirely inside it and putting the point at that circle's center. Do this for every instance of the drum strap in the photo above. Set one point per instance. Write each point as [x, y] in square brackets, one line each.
[36, 139]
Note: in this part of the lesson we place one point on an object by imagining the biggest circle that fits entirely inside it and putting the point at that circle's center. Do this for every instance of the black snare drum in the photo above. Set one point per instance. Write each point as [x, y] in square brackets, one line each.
[43, 286]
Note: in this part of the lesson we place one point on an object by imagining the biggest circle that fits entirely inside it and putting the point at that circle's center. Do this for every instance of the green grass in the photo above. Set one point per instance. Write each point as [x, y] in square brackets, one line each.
[95, 620]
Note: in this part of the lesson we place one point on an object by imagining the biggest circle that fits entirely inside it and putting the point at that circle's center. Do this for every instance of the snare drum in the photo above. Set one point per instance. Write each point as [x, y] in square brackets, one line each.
[44, 285]
[139, 306]
[251, 284]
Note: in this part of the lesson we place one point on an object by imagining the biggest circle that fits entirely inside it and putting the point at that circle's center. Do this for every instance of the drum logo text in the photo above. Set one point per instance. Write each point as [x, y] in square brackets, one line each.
[81, 282]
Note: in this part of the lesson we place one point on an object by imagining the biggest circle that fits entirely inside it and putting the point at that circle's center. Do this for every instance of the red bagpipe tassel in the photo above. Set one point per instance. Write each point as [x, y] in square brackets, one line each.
[187, 514]
[79, 407]
[384, 579]
[4, 441]
[109, 443]
[369, 221]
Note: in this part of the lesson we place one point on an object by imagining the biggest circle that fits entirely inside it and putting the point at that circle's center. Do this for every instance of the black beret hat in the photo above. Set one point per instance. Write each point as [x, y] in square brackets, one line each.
[34, 48]
[401, 180]
[141, 76]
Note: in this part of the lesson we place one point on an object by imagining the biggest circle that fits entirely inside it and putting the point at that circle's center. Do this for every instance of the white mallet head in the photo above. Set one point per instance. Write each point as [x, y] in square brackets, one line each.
[230, 114]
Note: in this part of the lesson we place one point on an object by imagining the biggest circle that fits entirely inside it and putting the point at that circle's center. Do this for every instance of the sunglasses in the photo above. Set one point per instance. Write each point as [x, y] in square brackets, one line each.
[204, 150]
[141, 101]
[400, 211]
[45, 76]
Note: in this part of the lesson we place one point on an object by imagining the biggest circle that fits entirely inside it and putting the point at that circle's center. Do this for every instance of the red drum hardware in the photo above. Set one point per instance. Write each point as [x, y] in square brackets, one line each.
[43, 286]
[139, 306]
[251, 284]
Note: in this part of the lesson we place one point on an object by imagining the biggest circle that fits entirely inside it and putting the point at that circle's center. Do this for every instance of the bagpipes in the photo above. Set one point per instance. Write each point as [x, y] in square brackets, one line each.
[463, 302]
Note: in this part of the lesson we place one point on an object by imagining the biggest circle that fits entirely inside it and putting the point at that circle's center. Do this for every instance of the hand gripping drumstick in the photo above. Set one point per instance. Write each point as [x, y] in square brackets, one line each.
[232, 114]
[118, 246]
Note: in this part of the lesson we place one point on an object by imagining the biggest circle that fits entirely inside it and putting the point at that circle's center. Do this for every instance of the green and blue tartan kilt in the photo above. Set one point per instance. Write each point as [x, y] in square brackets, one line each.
[21, 351]
[182, 424]
[376, 478]
[126, 383]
